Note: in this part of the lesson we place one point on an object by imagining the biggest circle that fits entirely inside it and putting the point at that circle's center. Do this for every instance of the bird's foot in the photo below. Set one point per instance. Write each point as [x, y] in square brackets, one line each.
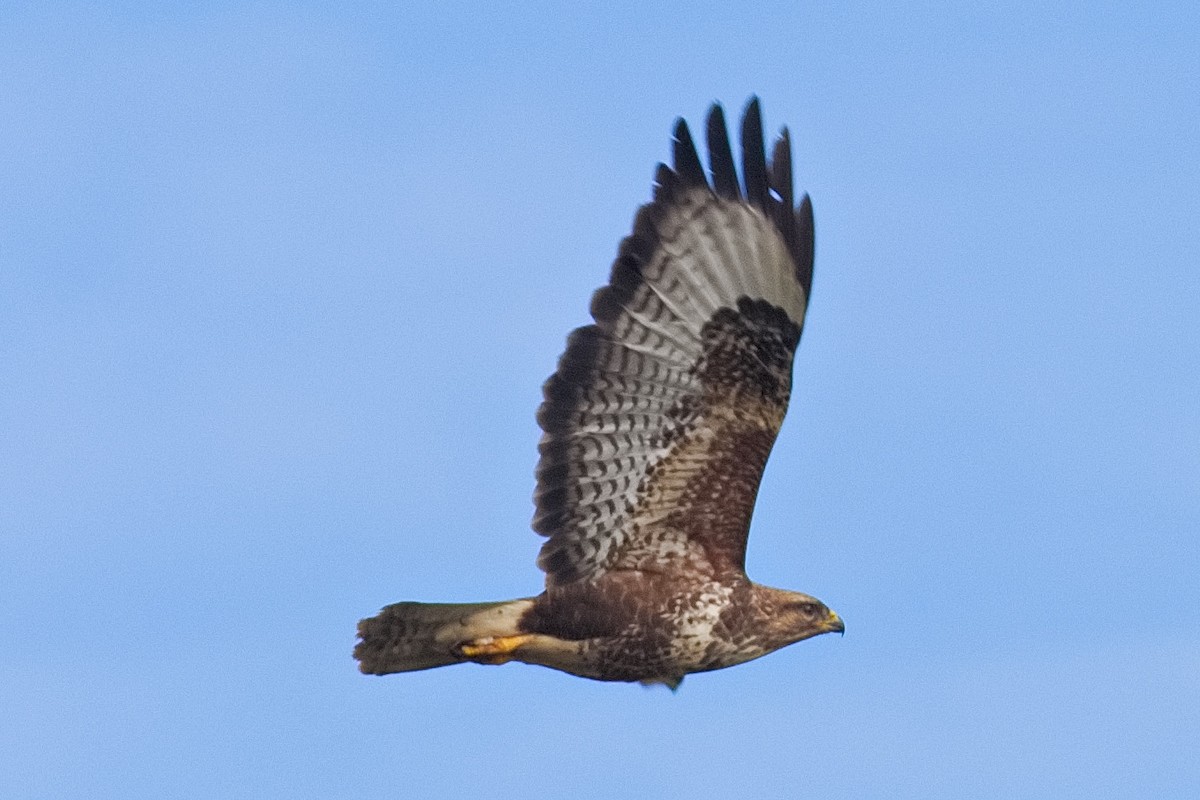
[492, 649]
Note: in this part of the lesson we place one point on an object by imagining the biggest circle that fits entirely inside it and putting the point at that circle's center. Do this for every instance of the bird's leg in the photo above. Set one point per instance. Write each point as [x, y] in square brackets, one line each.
[492, 649]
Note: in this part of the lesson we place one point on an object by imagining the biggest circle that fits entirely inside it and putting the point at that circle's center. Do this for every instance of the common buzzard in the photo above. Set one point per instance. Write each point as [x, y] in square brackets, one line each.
[657, 426]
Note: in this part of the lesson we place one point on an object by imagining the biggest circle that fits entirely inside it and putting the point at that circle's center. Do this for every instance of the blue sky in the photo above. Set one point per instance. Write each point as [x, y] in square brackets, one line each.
[279, 284]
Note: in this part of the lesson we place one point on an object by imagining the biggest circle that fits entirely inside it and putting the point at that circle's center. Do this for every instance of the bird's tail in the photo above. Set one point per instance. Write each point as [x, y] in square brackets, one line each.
[411, 636]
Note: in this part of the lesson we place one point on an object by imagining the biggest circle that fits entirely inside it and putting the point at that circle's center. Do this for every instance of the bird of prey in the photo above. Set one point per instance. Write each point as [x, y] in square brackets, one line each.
[657, 426]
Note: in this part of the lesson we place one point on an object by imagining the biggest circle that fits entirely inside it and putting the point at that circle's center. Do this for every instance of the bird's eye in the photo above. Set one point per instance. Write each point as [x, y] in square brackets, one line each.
[807, 609]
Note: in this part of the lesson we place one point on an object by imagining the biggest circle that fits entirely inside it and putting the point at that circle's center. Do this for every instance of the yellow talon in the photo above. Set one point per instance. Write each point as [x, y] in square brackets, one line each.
[492, 649]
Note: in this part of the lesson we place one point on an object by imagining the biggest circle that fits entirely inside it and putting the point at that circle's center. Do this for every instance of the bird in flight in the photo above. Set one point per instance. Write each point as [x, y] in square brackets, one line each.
[656, 428]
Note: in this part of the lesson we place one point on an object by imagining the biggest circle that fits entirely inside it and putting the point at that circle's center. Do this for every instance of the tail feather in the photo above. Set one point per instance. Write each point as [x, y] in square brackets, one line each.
[410, 636]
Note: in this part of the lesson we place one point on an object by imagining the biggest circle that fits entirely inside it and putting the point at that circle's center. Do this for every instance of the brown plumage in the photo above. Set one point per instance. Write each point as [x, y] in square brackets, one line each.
[657, 427]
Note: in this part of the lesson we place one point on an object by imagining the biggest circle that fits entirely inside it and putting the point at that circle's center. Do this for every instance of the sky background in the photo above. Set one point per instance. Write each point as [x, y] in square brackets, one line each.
[280, 283]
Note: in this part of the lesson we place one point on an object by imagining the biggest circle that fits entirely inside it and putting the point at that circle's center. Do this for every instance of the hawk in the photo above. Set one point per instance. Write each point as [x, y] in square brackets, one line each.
[657, 426]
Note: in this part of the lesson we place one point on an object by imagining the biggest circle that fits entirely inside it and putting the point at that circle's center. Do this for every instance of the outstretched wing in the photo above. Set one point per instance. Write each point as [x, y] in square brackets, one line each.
[660, 418]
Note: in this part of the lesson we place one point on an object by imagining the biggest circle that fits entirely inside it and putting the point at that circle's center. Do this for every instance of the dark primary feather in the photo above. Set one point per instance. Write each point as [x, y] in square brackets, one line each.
[754, 157]
[661, 415]
[724, 175]
[687, 162]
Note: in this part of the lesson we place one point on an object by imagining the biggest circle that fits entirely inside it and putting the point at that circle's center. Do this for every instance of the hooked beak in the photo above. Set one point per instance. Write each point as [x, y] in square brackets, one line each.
[834, 624]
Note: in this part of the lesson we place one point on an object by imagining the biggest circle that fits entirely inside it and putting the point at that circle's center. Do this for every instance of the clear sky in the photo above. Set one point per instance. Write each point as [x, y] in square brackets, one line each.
[280, 282]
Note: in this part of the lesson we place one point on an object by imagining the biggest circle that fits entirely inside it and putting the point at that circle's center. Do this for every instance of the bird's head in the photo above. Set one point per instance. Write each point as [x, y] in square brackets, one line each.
[795, 616]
